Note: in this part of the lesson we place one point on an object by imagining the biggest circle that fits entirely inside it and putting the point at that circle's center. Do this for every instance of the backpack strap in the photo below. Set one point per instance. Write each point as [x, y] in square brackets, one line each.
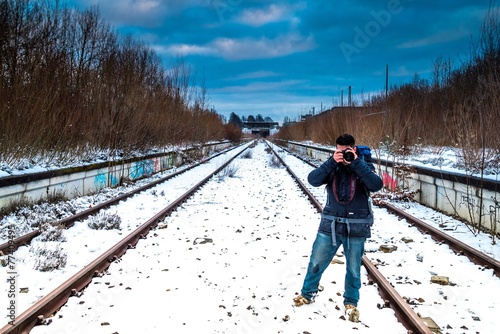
[352, 189]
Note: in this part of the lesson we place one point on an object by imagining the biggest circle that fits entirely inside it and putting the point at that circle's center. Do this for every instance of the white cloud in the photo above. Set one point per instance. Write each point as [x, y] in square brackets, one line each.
[401, 71]
[259, 87]
[142, 13]
[137, 7]
[145, 6]
[259, 17]
[255, 75]
[185, 49]
[249, 48]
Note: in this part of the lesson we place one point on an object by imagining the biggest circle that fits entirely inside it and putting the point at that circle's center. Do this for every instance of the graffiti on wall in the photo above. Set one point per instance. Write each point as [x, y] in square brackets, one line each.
[113, 180]
[389, 182]
[168, 161]
[157, 166]
[100, 180]
[142, 168]
[467, 201]
[137, 170]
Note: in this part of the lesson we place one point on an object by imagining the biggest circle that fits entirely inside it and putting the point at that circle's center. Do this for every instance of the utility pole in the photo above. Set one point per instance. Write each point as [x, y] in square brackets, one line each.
[349, 99]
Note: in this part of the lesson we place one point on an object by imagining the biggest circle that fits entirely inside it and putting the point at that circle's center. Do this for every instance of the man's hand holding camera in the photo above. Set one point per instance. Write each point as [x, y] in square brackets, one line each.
[345, 155]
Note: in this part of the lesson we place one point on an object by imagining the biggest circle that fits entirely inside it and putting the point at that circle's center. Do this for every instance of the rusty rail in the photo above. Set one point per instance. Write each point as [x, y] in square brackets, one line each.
[458, 246]
[12, 245]
[49, 304]
[410, 320]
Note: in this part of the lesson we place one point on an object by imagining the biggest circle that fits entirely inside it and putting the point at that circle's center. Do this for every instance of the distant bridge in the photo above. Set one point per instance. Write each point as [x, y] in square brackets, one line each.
[260, 128]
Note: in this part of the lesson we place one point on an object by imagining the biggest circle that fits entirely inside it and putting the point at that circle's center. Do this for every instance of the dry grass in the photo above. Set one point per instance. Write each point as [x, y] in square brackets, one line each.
[104, 221]
[49, 256]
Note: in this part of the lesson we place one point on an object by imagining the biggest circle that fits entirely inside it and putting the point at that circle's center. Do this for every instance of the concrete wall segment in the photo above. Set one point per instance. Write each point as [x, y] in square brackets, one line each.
[84, 180]
[451, 193]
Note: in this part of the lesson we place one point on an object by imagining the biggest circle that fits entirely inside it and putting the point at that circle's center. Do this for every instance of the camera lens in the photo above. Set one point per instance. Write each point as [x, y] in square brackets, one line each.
[348, 156]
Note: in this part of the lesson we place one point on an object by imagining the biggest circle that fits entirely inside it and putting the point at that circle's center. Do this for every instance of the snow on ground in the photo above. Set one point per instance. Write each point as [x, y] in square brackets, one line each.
[230, 264]
[132, 212]
[234, 256]
[231, 261]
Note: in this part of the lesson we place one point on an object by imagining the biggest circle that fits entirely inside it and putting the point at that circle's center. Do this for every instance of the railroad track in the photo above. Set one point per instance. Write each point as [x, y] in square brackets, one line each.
[459, 248]
[44, 308]
[52, 302]
[23, 240]
[404, 313]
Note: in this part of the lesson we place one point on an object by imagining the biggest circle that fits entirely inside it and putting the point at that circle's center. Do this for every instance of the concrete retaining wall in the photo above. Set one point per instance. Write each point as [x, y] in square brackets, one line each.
[73, 182]
[472, 199]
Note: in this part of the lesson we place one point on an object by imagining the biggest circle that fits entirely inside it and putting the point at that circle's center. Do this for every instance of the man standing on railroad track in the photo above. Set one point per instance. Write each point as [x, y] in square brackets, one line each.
[346, 220]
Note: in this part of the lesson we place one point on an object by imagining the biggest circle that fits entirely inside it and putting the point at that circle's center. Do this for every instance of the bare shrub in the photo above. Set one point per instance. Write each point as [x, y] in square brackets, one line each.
[274, 162]
[12, 228]
[50, 232]
[248, 154]
[364, 123]
[228, 171]
[16, 204]
[104, 221]
[232, 132]
[56, 196]
[49, 257]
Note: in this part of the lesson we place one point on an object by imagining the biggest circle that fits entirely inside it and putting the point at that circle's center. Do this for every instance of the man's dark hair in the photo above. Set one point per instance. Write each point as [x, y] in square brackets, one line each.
[345, 139]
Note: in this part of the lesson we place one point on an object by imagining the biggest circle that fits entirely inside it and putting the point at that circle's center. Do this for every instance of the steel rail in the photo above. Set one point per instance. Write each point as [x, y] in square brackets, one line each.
[10, 246]
[458, 246]
[49, 304]
[410, 320]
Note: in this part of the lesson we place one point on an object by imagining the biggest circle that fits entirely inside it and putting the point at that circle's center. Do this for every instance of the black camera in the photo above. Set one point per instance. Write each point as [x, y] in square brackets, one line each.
[348, 155]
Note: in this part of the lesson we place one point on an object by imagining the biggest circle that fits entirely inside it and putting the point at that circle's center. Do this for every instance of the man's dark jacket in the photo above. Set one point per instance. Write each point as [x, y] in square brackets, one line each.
[358, 209]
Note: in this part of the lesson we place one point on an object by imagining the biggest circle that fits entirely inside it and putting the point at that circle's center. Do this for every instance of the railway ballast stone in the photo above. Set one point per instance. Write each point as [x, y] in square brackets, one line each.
[387, 248]
[442, 280]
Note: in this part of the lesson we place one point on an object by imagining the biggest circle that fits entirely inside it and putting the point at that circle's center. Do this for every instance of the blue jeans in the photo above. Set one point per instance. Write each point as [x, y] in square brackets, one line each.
[322, 254]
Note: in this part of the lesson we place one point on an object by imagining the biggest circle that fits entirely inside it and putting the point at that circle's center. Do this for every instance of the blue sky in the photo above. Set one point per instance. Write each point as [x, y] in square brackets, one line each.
[284, 58]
